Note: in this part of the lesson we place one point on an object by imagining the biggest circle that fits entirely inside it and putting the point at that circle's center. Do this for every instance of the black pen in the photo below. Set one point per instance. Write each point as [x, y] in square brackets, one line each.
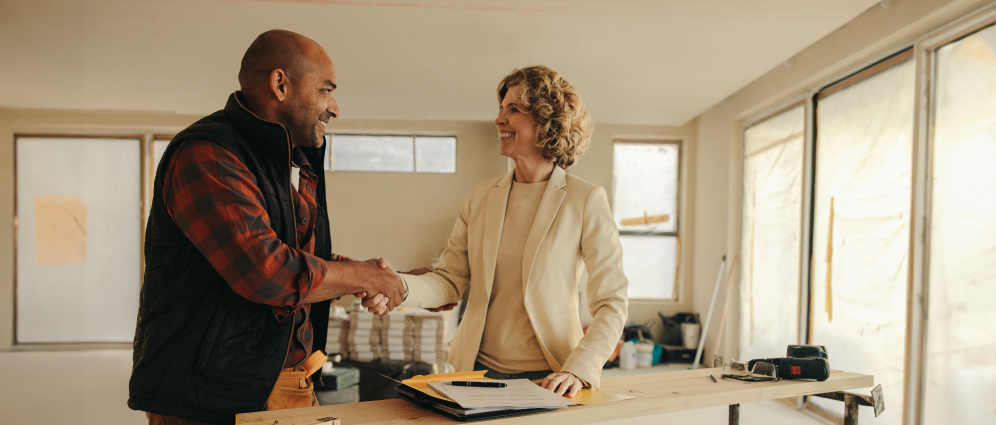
[476, 384]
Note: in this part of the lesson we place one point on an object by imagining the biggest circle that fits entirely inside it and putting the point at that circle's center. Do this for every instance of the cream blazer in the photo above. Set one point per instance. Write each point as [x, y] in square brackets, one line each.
[573, 230]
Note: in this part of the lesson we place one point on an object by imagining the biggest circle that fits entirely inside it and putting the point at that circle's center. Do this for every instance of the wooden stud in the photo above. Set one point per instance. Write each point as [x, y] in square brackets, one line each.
[829, 300]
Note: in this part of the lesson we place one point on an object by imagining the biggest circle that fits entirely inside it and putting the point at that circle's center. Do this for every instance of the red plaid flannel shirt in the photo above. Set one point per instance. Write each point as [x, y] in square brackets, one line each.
[214, 200]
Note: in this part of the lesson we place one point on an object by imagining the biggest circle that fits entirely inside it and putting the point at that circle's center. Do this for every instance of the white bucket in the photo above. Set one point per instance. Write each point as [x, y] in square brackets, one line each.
[690, 335]
[644, 354]
[627, 356]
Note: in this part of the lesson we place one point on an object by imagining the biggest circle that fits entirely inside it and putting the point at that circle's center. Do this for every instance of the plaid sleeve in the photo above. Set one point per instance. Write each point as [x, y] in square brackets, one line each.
[214, 200]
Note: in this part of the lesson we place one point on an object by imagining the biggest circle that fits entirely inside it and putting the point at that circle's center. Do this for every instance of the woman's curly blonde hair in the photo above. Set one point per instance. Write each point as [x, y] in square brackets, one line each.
[563, 124]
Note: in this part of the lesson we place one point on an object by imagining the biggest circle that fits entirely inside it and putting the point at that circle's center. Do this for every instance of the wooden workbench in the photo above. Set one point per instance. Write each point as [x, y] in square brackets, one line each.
[654, 394]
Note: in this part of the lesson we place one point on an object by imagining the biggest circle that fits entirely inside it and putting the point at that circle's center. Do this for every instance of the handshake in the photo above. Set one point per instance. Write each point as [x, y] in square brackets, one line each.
[380, 288]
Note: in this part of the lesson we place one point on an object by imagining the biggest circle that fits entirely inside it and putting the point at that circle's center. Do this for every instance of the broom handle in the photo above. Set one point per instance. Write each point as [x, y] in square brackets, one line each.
[712, 303]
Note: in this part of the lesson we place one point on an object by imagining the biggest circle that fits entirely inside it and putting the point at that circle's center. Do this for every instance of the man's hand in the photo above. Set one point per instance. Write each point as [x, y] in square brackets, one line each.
[562, 383]
[384, 283]
[383, 263]
[364, 279]
[376, 304]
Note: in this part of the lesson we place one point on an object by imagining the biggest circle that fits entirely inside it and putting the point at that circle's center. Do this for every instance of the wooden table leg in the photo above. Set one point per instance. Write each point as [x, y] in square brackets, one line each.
[850, 409]
[734, 414]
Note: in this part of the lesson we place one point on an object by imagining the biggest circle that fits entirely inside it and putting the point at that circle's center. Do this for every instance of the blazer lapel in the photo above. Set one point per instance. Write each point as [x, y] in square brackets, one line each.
[549, 206]
[494, 220]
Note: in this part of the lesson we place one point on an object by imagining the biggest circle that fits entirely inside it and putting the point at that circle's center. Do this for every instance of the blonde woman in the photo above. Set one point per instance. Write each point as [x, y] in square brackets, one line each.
[519, 245]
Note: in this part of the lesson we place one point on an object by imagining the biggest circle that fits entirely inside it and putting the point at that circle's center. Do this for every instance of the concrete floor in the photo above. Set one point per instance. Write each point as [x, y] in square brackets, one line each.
[91, 387]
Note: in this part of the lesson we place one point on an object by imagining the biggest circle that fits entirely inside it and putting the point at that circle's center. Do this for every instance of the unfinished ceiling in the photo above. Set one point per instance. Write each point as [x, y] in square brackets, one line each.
[635, 62]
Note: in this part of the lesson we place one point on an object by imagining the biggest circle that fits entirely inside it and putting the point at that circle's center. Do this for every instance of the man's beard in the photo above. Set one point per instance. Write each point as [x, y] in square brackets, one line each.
[303, 136]
[303, 128]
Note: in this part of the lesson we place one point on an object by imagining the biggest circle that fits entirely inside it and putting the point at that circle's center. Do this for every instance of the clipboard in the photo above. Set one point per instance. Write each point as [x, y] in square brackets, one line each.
[417, 390]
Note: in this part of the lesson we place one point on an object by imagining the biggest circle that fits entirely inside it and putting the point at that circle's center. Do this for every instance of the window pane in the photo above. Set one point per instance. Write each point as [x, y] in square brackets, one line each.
[359, 152]
[650, 263]
[78, 239]
[771, 240]
[645, 186]
[435, 154]
[861, 229]
[158, 148]
[327, 164]
[961, 339]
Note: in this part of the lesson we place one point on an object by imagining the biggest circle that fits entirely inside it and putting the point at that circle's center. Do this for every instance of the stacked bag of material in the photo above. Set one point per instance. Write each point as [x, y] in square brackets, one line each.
[338, 331]
[395, 336]
[430, 338]
[404, 335]
[363, 341]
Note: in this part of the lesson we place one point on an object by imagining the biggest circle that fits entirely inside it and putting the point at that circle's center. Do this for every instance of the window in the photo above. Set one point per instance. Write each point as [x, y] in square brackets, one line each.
[645, 206]
[159, 144]
[158, 148]
[393, 153]
[79, 228]
[861, 222]
[898, 214]
[771, 234]
[960, 370]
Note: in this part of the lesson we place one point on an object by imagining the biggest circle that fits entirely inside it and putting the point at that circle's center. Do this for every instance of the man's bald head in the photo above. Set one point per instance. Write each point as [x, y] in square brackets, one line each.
[290, 51]
[288, 79]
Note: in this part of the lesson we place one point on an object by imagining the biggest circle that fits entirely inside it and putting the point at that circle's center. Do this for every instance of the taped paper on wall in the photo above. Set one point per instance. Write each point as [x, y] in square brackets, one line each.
[60, 230]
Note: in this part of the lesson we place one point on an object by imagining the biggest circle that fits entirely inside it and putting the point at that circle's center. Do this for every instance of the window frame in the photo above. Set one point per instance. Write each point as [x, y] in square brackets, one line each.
[885, 63]
[143, 140]
[805, 210]
[330, 151]
[926, 52]
[679, 195]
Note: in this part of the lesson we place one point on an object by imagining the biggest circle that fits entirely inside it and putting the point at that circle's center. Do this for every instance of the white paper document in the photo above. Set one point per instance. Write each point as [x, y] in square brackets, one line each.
[520, 393]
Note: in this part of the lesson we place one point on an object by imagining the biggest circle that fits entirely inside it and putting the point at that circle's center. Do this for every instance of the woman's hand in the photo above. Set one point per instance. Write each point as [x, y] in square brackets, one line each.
[376, 304]
[446, 307]
[419, 271]
[562, 383]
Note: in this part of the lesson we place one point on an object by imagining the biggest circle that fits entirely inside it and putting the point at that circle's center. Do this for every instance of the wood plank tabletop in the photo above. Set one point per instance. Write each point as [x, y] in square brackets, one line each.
[653, 394]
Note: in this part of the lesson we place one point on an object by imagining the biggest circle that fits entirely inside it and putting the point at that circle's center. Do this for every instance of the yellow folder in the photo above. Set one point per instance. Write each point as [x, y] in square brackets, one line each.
[421, 383]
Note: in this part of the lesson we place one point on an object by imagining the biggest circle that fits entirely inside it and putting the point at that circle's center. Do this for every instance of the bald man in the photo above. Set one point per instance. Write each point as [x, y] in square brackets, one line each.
[239, 270]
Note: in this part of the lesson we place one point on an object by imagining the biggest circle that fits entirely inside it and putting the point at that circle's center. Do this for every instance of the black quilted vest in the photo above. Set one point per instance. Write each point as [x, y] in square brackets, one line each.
[202, 352]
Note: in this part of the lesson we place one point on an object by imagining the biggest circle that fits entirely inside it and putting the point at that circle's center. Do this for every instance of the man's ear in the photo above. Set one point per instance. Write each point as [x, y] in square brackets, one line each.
[279, 84]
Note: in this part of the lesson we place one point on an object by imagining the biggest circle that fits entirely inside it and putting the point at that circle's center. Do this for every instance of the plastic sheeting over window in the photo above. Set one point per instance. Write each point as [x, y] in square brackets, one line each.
[961, 337]
[771, 239]
[78, 239]
[861, 230]
[645, 186]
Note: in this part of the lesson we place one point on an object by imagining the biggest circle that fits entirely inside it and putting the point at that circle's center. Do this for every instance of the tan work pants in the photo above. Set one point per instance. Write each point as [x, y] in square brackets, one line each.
[292, 390]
